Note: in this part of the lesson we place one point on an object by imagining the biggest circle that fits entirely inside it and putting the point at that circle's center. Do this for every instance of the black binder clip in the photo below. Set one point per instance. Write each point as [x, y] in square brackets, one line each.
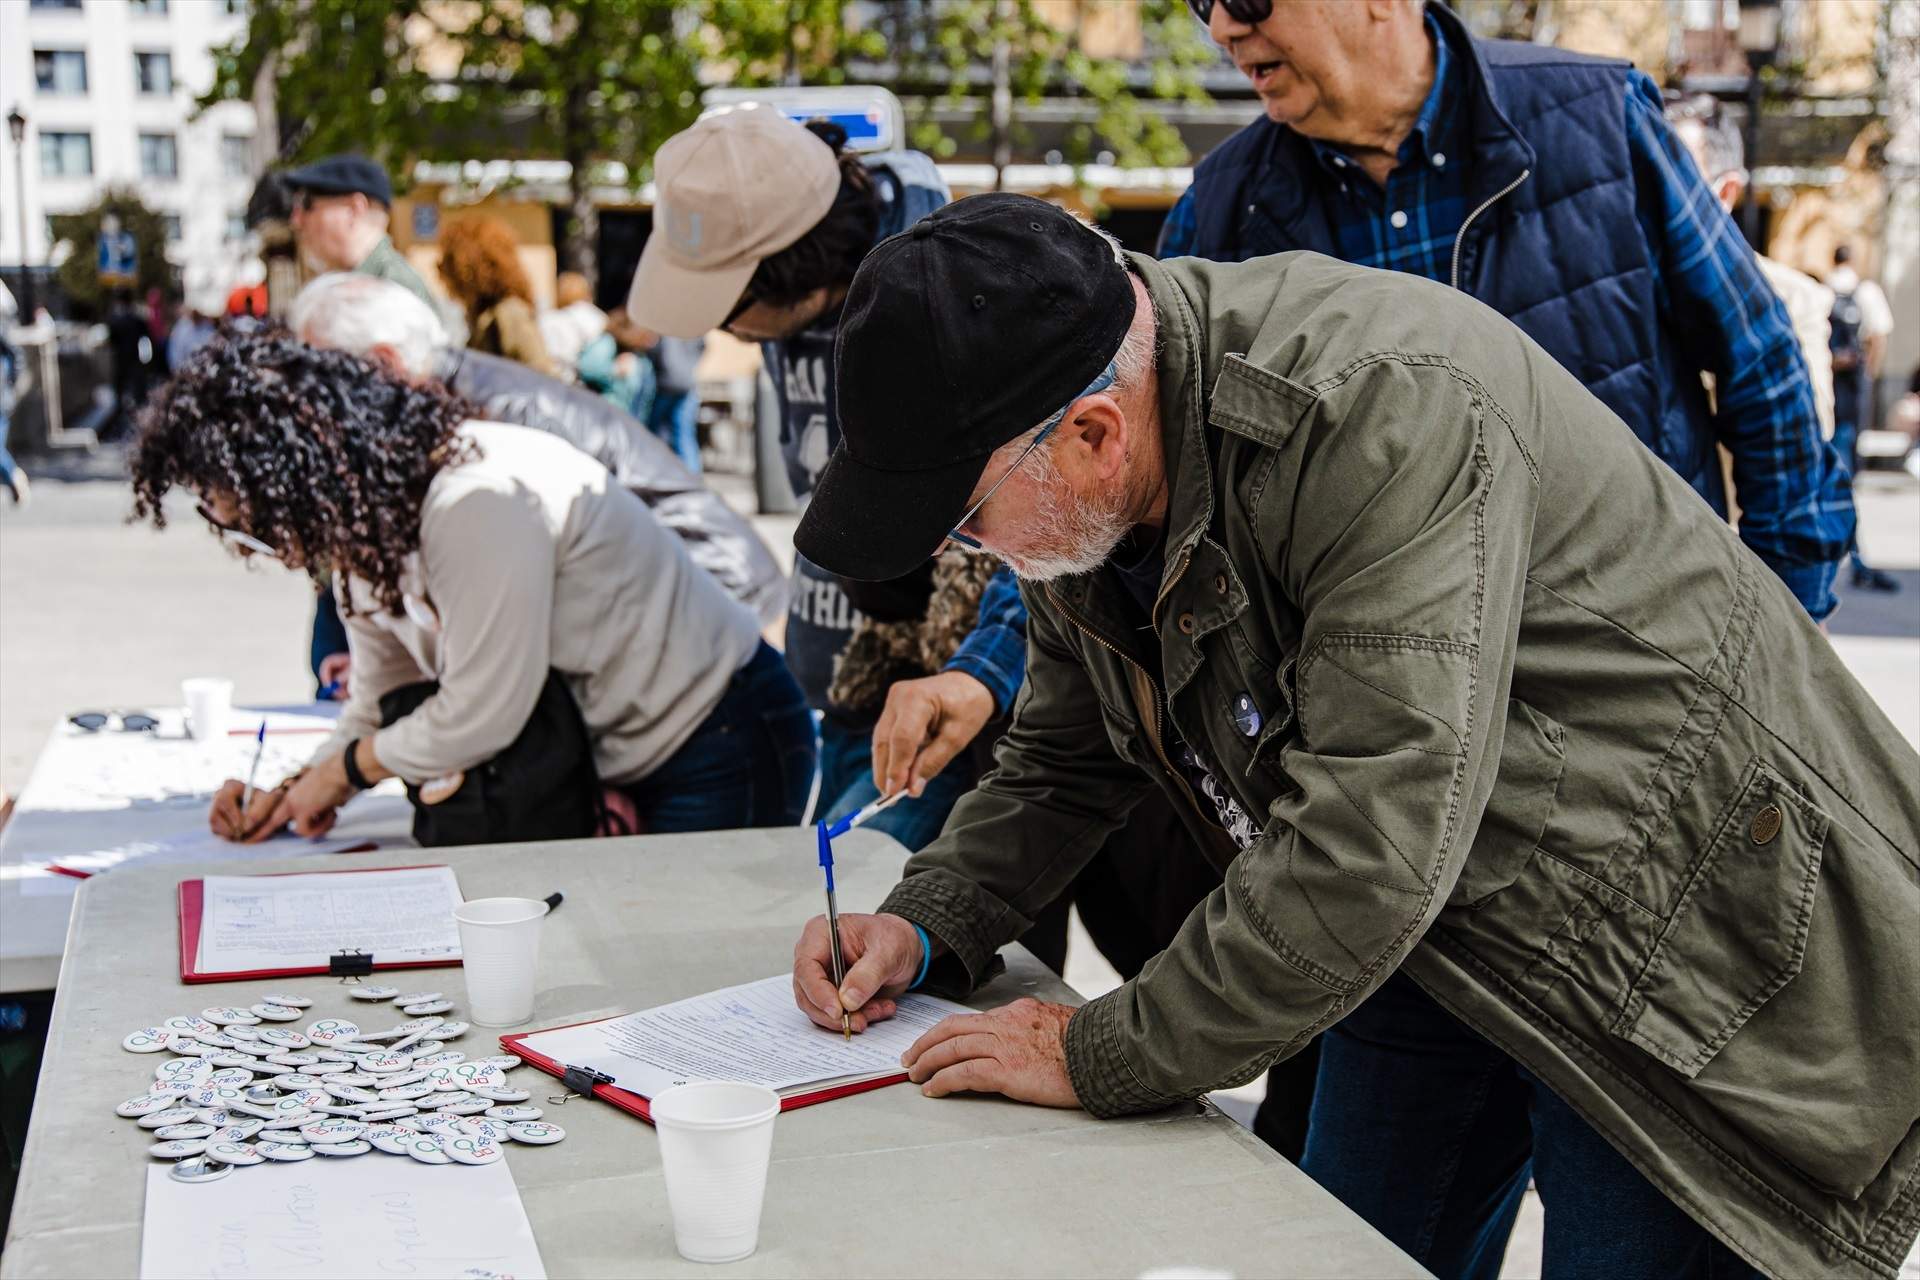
[581, 1080]
[350, 965]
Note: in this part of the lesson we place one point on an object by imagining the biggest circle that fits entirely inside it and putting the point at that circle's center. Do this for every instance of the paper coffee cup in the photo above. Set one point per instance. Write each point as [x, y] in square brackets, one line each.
[716, 1138]
[500, 951]
[209, 702]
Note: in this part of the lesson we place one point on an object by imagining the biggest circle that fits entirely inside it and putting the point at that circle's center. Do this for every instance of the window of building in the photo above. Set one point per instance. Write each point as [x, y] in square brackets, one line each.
[171, 221]
[159, 157]
[235, 8]
[66, 155]
[60, 70]
[148, 6]
[53, 4]
[153, 72]
[237, 226]
[236, 155]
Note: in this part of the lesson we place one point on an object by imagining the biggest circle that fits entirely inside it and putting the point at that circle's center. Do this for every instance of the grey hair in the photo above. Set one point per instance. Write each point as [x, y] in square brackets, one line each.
[348, 311]
[1721, 150]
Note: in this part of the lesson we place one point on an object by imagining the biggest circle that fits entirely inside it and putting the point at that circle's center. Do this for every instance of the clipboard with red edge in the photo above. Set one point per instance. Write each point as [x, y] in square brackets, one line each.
[191, 896]
[637, 1105]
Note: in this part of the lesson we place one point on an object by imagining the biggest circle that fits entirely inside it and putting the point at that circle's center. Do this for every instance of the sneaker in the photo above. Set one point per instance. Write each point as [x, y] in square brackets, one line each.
[17, 486]
[1870, 579]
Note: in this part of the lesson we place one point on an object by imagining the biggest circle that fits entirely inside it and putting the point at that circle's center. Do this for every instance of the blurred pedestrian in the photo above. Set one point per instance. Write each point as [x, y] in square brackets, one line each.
[480, 263]
[675, 416]
[1548, 185]
[573, 322]
[12, 475]
[342, 205]
[513, 614]
[1861, 321]
[193, 329]
[615, 364]
[1715, 145]
[131, 348]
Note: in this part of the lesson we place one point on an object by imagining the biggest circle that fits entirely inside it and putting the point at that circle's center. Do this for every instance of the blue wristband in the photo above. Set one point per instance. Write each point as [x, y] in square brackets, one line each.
[926, 956]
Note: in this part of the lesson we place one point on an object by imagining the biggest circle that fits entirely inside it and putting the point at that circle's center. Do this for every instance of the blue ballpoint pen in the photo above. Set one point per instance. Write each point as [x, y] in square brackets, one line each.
[827, 834]
[246, 796]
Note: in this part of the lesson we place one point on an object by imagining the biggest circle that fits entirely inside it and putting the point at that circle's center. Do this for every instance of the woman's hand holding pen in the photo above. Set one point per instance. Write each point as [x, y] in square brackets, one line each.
[259, 821]
[883, 956]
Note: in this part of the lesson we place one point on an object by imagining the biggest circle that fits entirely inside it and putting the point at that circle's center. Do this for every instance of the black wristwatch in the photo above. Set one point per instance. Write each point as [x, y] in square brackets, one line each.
[354, 776]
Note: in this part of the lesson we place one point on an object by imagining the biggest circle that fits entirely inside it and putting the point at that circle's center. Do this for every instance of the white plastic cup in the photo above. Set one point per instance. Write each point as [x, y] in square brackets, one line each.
[716, 1138]
[500, 951]
[209, 702]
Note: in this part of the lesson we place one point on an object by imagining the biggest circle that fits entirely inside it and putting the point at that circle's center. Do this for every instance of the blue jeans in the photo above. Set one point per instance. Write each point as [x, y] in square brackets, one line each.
[749, 764]
[846, 784]
[1431, 1134]
[675, 418]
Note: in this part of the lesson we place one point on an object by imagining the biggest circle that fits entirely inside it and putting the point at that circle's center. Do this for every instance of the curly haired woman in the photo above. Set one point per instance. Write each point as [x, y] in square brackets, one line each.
[480, 265]
[481, 557]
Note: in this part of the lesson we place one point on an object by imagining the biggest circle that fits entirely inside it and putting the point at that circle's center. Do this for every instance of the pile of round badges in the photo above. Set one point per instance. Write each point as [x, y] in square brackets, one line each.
[242, 1087]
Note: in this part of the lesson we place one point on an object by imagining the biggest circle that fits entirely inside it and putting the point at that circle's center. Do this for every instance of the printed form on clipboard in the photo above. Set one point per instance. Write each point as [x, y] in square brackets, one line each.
[270, 926]
[751, 1033]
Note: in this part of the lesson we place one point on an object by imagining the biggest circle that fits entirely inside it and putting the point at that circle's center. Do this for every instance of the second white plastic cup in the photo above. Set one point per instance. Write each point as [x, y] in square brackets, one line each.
[209, 702]
[716, 1138]
[500, 951]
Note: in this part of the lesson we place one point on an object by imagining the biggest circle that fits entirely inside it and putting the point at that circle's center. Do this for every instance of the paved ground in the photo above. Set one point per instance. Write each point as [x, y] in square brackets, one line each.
[95, 614]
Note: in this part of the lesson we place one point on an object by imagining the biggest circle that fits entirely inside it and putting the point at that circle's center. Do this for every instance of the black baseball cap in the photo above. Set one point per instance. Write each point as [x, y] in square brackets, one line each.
[960, 333]
[343, 175]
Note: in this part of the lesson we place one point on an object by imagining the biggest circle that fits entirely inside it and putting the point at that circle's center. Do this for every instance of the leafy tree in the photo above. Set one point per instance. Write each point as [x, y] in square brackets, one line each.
[78, 274]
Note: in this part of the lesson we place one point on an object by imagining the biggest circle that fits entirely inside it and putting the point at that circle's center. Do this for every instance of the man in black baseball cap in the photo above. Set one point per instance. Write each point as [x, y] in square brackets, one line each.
[341, 208]
[1449, 674]
[958, 285]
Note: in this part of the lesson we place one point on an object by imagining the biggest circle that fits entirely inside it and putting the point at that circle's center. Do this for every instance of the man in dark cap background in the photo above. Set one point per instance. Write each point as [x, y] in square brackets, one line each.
[1472, 686]
[341, 208]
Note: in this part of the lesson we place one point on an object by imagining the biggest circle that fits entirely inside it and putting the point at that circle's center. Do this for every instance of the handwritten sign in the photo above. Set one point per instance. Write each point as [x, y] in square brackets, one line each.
[367, 1216]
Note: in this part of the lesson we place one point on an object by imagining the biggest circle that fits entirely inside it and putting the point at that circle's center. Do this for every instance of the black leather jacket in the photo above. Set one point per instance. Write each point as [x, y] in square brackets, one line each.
[719, 539]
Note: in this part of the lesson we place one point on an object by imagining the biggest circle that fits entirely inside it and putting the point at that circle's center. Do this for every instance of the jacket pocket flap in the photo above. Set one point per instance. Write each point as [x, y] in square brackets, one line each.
[1532, 759]
[1257, 403]
[1739, 933]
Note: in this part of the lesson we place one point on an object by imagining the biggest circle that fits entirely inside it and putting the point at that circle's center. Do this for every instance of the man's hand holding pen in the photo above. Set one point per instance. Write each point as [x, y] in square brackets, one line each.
[1018, 1050]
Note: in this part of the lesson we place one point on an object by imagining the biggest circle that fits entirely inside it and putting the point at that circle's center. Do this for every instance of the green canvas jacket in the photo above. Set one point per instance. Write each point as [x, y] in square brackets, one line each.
[1534, 725]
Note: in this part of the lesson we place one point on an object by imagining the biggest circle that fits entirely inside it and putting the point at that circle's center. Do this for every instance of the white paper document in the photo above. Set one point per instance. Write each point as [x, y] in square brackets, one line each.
[297, 922]
[751, 1033]
[371, 1216]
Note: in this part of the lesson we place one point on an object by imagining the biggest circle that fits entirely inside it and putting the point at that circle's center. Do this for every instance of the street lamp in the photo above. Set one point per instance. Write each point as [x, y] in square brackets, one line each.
[1760, 41]
[17, 127]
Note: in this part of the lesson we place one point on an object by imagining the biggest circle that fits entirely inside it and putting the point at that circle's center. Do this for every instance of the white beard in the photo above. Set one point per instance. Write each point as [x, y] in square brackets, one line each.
[1078, 533]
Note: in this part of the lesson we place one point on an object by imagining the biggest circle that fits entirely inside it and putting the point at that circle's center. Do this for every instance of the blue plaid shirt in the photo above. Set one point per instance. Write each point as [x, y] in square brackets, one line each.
[995, 651]
[1796, 507]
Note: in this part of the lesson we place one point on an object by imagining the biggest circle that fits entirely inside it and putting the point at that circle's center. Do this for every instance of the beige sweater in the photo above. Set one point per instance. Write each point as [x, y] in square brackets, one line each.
[531, 558]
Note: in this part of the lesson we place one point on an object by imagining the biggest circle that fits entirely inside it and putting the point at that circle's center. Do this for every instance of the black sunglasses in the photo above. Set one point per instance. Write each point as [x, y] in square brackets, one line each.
[1247, 11]
[95, 721]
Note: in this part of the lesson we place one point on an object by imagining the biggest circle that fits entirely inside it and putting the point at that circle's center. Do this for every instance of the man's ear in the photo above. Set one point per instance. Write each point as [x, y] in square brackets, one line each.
[1100, 430]
[388, 358]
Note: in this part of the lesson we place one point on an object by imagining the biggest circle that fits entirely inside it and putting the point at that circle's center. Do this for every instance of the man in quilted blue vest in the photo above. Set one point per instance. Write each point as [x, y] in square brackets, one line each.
[1548, 185]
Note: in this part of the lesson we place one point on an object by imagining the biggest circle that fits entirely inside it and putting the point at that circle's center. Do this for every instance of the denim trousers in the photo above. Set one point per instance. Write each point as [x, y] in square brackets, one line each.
[1431, 1134]
[749, 764]
[846, 785]
[675, 418]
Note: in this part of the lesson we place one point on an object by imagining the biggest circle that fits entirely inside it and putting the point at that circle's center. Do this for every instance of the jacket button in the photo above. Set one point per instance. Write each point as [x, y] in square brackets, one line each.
[1220, 583]
[1186, 624]
[1766, 825]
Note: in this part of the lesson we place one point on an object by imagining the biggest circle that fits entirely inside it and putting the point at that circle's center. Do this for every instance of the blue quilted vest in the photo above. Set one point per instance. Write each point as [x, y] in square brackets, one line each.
[1555, 247]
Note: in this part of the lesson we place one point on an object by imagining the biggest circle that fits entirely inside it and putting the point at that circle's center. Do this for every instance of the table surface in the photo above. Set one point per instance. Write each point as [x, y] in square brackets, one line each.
[91, 792]
[882, 1183]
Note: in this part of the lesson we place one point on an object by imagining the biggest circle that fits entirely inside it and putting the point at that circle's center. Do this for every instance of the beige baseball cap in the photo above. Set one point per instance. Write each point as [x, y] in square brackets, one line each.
[740, 185]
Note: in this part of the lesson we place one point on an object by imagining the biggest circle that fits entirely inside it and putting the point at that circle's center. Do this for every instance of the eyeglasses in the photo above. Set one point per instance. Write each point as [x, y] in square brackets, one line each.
[1095, 387]
[130, 722]
[1247, 11]
[235, 537]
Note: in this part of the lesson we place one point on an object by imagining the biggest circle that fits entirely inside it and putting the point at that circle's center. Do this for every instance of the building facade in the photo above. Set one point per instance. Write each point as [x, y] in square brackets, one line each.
[108, 88]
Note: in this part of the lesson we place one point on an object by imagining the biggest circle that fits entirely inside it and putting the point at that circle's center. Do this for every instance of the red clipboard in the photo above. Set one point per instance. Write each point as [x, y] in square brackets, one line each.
[192, 900]
[636, 1105]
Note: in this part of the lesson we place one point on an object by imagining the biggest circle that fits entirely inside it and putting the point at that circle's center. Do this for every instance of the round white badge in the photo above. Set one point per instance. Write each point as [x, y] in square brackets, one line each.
[425, 1147]
[161, 1119]
[333, 1032]
[177, 1148]
[295, 1060]
[170, 1132]
[427, 1006]
[183, 1071]
[417, 997]
[357, 1147]
[286, 1000]
[288, 1151]
[237, 1130]
[513, 1115]
[228, 1153]
[284, 1038]
[467, 1150]
[276, 1012]
[370, 993]
[199, 1170]
[146, 1040]
[144, 1105]
[227, 1015]
[537, 1132]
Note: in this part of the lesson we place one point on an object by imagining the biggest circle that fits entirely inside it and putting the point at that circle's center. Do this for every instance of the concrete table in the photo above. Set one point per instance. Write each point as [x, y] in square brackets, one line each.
[884, 1183]
[91, 792]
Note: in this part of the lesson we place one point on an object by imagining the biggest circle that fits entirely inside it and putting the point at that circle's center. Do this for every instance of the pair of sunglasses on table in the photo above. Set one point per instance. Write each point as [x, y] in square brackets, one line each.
[128, 722]
[1247, 11]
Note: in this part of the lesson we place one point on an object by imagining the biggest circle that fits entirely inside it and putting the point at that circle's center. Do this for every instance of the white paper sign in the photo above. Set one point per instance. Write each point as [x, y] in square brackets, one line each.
[372, 1215]
[293, 922]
